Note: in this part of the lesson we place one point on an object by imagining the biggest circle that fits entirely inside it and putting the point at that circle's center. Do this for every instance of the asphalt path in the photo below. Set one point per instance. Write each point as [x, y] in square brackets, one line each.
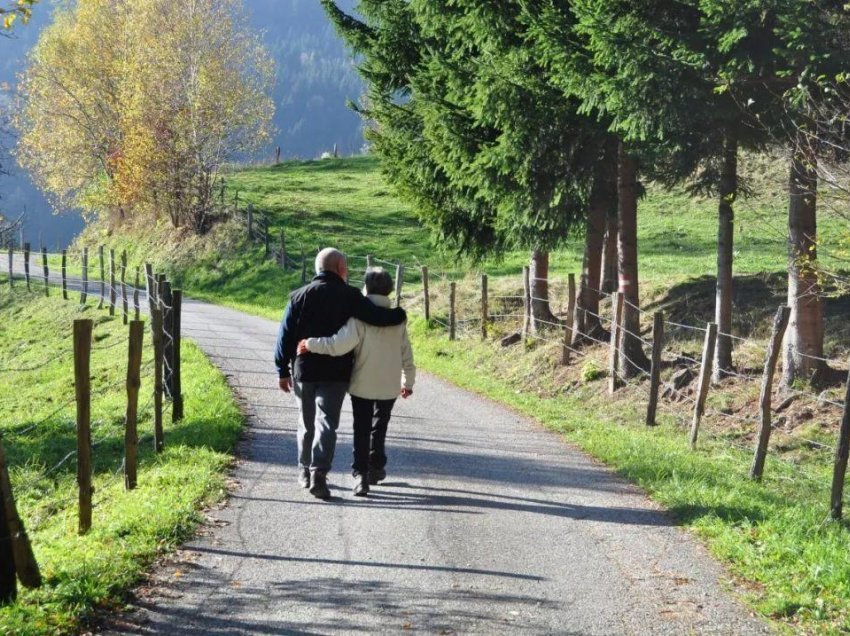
[487, 524]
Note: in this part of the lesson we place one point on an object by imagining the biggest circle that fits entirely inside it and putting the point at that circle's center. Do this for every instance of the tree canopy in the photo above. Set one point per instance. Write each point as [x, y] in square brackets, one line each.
[469, 124]
[12, 12]
[131, 108]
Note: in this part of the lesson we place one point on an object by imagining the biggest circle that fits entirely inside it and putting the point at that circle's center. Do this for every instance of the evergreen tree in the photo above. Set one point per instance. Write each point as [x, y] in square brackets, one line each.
[471, 128]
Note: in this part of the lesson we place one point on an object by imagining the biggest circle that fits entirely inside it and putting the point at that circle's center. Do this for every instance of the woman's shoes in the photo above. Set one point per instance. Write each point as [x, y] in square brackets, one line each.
[376, 475]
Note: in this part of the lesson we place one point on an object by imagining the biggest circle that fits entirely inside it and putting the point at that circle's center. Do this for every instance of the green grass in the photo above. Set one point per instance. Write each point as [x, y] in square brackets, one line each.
[346, 203]
[794, 567]
[85, 574]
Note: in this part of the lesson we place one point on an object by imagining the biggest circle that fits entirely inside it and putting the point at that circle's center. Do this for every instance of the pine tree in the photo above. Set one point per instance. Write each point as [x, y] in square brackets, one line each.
[471, 128]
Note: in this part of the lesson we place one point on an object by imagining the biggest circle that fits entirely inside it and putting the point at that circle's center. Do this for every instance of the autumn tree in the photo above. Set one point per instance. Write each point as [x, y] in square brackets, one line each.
[199, 96]
[12, 12]
[131, 108]
[69, 116]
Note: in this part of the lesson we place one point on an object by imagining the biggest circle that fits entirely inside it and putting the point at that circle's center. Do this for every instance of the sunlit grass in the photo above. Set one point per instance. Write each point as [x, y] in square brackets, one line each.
[83, 574]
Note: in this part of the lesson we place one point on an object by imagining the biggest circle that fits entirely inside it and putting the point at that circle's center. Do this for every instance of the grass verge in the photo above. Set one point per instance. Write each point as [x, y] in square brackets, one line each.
[85, 574]
[772, 536]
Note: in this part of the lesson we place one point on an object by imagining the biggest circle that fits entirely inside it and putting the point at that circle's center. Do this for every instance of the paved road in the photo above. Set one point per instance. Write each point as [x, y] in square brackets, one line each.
[487, 524]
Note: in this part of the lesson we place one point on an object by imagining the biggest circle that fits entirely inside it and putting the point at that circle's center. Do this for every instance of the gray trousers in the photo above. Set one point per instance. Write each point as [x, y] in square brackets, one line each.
[320, 404]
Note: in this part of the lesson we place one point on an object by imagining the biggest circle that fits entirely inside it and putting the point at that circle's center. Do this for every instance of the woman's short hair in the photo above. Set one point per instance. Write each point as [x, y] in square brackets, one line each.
[378, 281]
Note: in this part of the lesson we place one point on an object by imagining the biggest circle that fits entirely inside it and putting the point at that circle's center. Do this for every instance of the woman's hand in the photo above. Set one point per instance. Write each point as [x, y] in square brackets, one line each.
[302, 348]
[406, 393]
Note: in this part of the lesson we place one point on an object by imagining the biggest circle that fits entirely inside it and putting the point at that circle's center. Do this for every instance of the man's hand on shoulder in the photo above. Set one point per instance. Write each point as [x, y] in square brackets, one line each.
[285, 384]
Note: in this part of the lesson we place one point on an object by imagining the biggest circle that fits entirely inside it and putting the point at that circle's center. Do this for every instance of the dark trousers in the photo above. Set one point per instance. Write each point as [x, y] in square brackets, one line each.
[320, 404]
[371, 418]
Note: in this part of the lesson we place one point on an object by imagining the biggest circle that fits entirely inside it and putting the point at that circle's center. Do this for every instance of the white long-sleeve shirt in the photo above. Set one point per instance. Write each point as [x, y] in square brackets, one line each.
[383, 357]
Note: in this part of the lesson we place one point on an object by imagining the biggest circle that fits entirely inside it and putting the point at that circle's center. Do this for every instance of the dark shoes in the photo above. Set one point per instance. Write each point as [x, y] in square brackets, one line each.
[304, 477]
[361, 488]
[319, 486]
[376, 475]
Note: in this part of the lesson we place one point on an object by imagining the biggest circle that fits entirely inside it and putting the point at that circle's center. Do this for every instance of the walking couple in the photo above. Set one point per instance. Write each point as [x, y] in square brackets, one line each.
[334, 340]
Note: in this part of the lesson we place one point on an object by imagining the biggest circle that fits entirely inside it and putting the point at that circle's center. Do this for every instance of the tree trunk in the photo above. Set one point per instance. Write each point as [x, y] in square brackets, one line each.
[539, 273]
[632, 356]
[608, 277]
[725, 244]
[804, 336]
[602, 205]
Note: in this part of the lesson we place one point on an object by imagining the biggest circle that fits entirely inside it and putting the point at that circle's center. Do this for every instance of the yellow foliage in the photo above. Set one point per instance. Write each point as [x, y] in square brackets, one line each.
[135, 105]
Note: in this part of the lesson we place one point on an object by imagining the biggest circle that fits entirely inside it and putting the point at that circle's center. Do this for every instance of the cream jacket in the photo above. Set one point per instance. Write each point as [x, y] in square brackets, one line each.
[383, 357]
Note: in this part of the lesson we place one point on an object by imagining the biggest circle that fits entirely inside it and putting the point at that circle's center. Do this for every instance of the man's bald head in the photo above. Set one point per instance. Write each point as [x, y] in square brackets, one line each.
[331, 260]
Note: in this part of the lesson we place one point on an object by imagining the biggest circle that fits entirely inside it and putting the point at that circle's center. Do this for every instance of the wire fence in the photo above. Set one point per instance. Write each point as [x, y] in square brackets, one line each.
[731, 414]
[543, 310]
[54, 453]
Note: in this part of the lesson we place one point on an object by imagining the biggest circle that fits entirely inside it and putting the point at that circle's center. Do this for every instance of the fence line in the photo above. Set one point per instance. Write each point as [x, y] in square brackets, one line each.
[540, 328]
[92, 431]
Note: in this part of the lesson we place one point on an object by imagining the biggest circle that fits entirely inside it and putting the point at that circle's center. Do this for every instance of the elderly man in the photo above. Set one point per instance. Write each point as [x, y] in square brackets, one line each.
[320, 382]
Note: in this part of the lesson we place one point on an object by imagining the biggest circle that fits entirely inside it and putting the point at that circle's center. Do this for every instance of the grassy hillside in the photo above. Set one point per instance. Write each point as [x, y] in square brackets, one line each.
[83, 574]
[346, 203]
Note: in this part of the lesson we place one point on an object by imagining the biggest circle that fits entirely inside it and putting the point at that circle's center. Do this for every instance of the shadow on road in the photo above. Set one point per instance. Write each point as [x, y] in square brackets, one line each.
[356, 605]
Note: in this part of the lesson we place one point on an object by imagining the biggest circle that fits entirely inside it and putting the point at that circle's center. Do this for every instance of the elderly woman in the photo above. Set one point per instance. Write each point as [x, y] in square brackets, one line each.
[383, 369]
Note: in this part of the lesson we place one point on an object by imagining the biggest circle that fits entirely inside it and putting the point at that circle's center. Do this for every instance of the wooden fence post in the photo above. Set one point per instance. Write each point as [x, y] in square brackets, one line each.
[11, 267]
[134, 383]
[303, 266]
[65, 274]
[15, 547]
[452, 314]
[368, 261]
[124, 303]
[655, 368]
[568, 326]
[485, 306]
[82, 386]
[267, 239]
[156, 335]
[425, 289]
[526, 301]
[150, 286]
[283, 249]
[45, 271]
[176, 380]
[85, 293]
[102, 277]
[704, 379]
[165, 301]
[250, 213]
[112, 293]
[399, 281]
[27, 265]
[774, 347]
[614, 347]
[8, 580]
[842, 450]
[136, 308]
